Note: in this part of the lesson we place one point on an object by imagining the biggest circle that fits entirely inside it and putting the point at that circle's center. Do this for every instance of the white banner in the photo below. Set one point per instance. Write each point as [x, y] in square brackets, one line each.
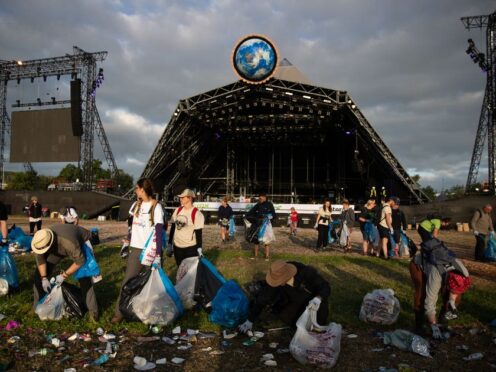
[279, 208]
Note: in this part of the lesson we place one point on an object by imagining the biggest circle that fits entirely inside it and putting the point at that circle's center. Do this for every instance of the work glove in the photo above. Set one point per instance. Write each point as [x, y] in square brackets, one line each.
[45, 283]
[391, 231]
[315, 226]
[246, 326]
[476, 233]
[491, 234]
[169, 250]
[436, 332]
[200, 254]
[59, 279]
[314, 303]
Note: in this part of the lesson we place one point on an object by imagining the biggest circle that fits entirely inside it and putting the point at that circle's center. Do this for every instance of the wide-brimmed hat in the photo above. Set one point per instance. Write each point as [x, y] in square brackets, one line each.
[42, 241]
[279, 273]
[187, 192]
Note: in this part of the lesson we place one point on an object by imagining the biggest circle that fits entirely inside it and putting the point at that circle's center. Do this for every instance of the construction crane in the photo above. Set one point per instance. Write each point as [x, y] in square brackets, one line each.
[487, 120]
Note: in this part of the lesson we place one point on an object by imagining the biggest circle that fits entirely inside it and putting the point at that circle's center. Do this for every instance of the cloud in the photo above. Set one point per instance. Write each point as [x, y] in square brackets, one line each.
[402, 62]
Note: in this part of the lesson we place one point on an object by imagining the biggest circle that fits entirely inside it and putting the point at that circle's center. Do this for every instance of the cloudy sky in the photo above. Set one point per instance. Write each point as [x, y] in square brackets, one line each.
[403, 62]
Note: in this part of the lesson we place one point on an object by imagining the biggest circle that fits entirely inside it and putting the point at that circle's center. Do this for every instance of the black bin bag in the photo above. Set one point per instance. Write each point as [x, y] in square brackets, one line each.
[130, 289]
[75, 304]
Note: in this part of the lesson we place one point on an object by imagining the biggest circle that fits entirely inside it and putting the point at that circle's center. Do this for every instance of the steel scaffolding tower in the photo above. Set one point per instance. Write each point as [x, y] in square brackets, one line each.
[487, 120]
[79, 64]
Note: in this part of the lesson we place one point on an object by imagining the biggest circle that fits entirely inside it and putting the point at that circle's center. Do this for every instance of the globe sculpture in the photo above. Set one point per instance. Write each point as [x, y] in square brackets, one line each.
[254, 59]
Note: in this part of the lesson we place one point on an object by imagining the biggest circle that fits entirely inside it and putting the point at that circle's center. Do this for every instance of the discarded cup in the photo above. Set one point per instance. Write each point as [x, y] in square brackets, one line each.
[139, 361]
[55, 342]
[270, 363]
[168, 340]
[177, 360]
[161, 361]
[258, 334]
[267, 356]
[74, 337]
[100, 331]
[176, 330]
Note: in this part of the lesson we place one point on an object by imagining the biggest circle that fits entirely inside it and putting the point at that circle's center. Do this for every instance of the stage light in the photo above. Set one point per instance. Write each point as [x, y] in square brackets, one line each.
[53, 101]
[307, 97]
[347, 132]
[353, 106]
[288, 93]
[39, 101]
[269, 89]
[327, 101]
[19, 63]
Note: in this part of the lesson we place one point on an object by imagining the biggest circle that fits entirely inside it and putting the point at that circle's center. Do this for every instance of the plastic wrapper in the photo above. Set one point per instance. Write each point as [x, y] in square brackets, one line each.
[343, 237]
[158, 302]
[4, 287]
[185, 281]
[380, 306]
[8, 268]
[229, 306]
[407, 341]
[130, 289]
[313, 344]
[90, 267]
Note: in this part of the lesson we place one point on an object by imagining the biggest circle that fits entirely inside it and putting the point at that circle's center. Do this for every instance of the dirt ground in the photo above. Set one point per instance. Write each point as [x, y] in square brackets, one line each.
[210, 352]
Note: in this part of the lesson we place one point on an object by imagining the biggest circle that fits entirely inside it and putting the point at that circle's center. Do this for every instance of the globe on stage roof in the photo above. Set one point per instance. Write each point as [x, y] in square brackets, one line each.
[254, 59]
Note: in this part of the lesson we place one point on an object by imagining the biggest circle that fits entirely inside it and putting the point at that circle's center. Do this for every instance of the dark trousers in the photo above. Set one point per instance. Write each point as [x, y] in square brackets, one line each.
[182, 253]
[480, 247]
[292, 311]
[323, 235]
[424, 234]
[133, 267]
[32, 225]
[85, 284]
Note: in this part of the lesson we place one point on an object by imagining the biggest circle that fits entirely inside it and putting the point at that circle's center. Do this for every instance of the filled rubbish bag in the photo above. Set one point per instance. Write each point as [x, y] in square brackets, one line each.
[232, 227]
[52, 305]
[490, 252]
[314, 344]
[90, 267]
[343, 237]
[75, 304]
[18, 236]
[371, 233]
[230, 306]
[130, 289]
[186, 280]
[8, 268]
[266, 233]
[404, 245]
[158, 302]
[95, 236]
[380, 306]
[208, 282]
[407, 341]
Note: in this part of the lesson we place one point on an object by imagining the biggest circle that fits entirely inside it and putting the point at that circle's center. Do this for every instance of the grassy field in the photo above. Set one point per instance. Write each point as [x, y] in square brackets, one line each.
[350, 276]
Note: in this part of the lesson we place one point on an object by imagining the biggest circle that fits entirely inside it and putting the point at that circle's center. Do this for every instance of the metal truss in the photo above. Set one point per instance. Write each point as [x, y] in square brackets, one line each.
[233, 108]
[487, 120]
[80, 64]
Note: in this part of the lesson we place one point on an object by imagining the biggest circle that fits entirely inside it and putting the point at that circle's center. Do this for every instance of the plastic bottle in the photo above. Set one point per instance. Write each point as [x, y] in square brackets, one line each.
[41, 352]
[100, 360]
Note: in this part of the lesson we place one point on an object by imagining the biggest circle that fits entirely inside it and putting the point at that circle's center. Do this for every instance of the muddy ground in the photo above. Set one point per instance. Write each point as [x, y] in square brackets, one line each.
[210, 352]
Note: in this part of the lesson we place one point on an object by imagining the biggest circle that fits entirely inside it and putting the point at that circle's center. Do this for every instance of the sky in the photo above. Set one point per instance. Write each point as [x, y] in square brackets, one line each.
[403, 62]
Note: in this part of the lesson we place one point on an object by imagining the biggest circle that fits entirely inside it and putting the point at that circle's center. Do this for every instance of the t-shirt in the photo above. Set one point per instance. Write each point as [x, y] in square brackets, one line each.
[324, 216]
[3, 212]
[70, 215]
[184, 233]
[431, 225]
[293, 216]
[386, 209]
[142, 229]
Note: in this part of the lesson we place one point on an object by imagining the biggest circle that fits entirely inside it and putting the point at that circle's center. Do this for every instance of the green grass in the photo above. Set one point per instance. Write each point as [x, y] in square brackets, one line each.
[350, 277]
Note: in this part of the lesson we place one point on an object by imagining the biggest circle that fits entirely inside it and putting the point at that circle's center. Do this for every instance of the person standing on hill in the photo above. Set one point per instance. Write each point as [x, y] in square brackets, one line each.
[368, 219]
[482, 225]
[224, 214]
[34, 211]
[261, 215]
[399, 225]
[347, 218]
[324, 218]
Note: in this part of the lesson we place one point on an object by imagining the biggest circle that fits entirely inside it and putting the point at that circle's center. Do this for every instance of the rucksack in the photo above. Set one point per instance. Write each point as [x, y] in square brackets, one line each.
[193, 213]
[152, 211]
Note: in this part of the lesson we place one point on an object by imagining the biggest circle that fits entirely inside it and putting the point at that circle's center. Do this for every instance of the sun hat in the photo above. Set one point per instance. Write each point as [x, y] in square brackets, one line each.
[187, 192]
[42, 241]
[279, 273]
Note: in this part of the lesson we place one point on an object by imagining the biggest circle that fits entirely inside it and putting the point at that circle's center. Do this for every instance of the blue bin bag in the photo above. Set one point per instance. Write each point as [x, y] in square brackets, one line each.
[8, 268]
[232, 227]
[230, 306]
[490, 252]
[372, 233]
[17, 235]
[171, 291]
[90, 267]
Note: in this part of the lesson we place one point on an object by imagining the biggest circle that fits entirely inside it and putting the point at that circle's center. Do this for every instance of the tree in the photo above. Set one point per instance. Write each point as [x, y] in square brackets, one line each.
[70, 173]
[124, 181]
[430, 192]
[98, 171]
[455, 192]
[24, 181]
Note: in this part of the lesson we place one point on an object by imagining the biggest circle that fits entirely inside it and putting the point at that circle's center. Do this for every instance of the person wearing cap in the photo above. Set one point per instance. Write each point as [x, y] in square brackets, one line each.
[261, 211]
[482, 225]
[51, 246]
[290, 287]
[385, 226]
[145, 242]
[34, 213]
[3, 225]
[433, 270]
[187, 222]
[399, 224]
[430, 226]
[69, 215]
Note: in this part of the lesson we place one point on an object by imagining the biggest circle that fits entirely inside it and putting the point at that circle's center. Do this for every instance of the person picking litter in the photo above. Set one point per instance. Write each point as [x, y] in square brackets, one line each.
[51, 246]
[290, 287]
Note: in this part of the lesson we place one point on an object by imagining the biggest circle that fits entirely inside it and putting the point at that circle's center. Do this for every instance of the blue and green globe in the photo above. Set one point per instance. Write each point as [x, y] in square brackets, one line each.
[255, 59]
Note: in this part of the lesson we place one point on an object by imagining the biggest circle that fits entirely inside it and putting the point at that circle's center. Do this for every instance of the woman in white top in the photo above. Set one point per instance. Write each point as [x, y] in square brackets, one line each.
[322, 224]
[146, 235]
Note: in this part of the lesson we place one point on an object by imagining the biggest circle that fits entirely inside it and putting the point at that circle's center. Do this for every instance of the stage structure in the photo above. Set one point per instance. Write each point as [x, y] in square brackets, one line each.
[282, 135]
[487, 119]
[82, 67]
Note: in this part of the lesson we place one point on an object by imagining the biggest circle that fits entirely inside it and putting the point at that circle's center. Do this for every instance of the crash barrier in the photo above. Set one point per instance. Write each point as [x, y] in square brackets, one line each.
[314, 344]
[380, 306]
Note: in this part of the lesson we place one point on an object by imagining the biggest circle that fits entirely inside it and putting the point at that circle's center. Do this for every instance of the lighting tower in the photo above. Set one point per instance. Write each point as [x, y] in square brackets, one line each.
[487, 120]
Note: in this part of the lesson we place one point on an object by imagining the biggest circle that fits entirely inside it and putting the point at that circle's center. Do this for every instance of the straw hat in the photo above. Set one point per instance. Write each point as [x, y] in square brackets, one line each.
[42, 241]
[279, 273]
[187, 192]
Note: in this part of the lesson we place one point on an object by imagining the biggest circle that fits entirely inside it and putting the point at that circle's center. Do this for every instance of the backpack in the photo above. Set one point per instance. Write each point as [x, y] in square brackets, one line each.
[193, 213]
[152, 211]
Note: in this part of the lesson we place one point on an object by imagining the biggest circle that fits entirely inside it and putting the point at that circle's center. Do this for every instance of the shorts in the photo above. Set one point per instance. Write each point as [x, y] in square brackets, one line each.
[383, 232]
